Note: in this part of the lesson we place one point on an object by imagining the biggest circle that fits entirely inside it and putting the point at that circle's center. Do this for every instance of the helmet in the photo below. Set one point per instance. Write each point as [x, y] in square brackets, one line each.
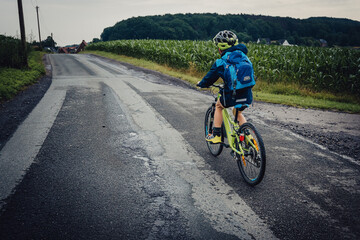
[225, 39]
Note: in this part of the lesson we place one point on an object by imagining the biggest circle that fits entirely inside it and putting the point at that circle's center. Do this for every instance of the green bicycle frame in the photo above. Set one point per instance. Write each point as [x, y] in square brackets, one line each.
[231, 134]
[231, 128]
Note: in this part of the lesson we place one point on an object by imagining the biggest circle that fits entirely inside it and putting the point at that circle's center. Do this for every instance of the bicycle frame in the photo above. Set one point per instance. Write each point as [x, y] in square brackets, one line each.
[231, 128]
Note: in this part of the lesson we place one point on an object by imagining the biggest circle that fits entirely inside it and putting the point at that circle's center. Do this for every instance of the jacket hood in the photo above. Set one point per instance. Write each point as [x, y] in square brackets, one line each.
[240, 47]
[235, 57]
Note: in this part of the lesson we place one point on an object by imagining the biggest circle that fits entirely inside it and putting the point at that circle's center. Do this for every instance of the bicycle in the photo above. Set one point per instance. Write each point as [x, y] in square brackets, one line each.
[245, 142]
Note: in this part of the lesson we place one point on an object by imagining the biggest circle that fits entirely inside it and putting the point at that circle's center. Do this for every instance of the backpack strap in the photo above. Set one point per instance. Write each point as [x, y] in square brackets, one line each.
[235, 83]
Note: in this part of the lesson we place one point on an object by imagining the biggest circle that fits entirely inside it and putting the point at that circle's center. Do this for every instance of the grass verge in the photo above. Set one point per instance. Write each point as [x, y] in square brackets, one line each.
[13, 80]
[280, 93]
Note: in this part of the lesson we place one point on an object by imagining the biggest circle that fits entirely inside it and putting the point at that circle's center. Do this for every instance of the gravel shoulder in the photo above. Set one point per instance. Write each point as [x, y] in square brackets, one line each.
[15, 111]
[337, 131]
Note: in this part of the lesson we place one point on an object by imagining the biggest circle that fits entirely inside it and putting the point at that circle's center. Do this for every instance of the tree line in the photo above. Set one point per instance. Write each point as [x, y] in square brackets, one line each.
[336, 31]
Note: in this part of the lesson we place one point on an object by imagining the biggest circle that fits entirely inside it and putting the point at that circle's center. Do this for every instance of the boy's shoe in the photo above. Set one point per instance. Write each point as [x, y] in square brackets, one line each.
[213, 139]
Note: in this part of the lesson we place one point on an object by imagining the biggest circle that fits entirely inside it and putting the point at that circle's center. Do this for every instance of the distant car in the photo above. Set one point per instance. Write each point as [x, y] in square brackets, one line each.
[50, 49]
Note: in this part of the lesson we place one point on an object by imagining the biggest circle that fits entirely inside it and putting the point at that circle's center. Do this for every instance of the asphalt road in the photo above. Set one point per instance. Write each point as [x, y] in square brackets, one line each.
[111, 152]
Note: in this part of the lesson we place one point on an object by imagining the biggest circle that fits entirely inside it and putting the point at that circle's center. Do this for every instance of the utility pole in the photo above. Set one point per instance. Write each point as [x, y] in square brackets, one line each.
[37, 13]
[22, 30]
[52, 39]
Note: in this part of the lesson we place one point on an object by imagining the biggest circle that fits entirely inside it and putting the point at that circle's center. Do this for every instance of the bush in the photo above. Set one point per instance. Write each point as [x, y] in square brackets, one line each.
[10, 52]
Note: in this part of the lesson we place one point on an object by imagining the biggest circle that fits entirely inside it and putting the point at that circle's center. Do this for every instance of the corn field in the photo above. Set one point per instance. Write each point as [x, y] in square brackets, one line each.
[334, 69]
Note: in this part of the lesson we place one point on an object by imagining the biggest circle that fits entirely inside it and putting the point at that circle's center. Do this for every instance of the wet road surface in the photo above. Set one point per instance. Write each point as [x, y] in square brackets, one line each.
[114, 153]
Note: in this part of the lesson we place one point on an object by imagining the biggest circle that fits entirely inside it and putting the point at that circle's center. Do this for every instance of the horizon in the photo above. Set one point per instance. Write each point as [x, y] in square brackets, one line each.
[86, 20]
[75, 43]
[241, 14]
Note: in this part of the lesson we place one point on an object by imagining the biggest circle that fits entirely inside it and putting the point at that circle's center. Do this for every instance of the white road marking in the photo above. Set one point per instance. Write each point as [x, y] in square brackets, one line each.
[20, 151]
[177, 162]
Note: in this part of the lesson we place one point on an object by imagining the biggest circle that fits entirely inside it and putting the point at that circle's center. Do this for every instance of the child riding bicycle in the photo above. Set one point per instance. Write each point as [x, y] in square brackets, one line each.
[232, 53]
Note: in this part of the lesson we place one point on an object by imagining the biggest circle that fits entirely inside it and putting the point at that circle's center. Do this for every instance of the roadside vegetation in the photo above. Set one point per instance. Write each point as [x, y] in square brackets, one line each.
[326, 78]
[14, 77]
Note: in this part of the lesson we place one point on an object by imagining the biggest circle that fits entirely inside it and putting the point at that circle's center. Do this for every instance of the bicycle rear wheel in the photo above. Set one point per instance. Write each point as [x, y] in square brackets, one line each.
[252, 164]
[215, 149]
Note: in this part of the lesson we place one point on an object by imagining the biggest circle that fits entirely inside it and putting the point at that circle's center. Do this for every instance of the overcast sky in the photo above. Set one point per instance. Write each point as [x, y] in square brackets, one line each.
[71, 21]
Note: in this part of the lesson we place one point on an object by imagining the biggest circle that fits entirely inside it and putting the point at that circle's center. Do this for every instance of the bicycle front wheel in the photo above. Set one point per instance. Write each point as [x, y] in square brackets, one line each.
[252, 164]
[215, 149]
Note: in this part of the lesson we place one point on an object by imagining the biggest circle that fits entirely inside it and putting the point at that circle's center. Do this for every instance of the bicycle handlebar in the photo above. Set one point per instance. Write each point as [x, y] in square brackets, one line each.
[219, 86]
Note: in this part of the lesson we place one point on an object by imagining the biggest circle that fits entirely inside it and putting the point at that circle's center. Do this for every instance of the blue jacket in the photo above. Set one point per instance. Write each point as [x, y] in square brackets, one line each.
[217, 69]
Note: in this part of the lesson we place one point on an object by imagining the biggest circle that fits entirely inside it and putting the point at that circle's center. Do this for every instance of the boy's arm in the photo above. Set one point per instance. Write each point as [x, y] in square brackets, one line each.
[211, 77]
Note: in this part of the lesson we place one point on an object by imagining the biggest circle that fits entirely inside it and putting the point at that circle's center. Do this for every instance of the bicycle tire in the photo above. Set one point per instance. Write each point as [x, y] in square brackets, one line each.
[215, 149]
[252, 165]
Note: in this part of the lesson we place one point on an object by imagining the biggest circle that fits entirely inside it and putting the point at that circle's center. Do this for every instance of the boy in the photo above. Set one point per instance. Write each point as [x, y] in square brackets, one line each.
[227, 42]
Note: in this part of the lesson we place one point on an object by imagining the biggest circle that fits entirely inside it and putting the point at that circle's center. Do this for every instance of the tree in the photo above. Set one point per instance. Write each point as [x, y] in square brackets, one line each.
[243, 37]
[249, 27]
[95, 40]
[48, 42]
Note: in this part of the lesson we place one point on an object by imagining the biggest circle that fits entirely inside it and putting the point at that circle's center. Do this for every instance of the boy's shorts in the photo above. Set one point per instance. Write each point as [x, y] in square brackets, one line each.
[241, 100]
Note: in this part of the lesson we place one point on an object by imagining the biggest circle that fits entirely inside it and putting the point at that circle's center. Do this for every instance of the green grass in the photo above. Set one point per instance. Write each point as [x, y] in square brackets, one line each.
[306, 102]
[281, 93]
[295, 95]
[13, 80]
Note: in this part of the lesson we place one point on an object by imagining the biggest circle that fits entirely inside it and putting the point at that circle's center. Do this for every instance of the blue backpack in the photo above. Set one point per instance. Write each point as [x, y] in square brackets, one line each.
[239, 71]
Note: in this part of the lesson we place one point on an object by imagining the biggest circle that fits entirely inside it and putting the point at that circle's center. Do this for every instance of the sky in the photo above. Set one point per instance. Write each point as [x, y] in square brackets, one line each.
[71, 21]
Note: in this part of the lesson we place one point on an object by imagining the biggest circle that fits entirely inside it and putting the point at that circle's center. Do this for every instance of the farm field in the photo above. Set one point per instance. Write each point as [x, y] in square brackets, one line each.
[302, 76]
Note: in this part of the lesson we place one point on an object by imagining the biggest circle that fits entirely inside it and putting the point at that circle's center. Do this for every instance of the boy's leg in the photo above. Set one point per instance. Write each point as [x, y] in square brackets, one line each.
[218, 118]
[241, 118]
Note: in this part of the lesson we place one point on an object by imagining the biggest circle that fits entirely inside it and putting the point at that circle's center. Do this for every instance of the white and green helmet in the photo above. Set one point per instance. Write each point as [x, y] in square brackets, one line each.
[225, 39]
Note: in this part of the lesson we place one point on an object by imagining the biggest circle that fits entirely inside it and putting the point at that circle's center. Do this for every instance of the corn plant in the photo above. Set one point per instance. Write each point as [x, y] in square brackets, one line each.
[333, 69]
